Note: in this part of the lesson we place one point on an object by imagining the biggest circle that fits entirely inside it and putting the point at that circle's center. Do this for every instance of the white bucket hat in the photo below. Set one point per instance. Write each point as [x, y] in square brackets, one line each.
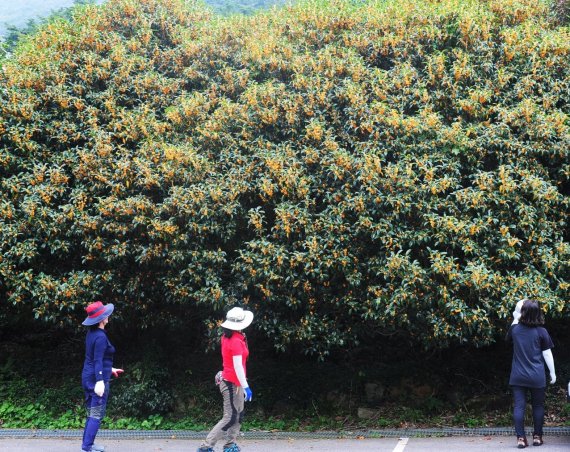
[237, 319]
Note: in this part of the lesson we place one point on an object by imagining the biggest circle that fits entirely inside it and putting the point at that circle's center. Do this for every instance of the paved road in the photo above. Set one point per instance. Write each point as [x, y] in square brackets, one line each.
[451, 444]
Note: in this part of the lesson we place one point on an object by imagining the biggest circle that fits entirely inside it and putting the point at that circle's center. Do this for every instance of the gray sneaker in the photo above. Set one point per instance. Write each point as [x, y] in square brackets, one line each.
[97, 448]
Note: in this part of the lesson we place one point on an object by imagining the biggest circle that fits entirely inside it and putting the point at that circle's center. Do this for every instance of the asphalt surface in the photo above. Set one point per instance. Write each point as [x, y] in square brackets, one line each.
[448, 444]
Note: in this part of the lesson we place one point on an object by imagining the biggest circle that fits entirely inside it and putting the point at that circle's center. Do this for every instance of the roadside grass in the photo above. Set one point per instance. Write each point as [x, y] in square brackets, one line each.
[40, 389]
[53, 408]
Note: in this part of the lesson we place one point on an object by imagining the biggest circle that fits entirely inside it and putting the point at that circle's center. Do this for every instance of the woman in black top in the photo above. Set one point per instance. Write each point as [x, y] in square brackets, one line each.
[531, 350]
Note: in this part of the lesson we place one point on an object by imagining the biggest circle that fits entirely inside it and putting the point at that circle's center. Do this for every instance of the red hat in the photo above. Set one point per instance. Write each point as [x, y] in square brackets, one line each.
[96, 312]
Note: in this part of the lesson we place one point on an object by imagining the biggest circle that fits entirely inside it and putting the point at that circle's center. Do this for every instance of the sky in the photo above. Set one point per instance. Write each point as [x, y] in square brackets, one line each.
[19, 12]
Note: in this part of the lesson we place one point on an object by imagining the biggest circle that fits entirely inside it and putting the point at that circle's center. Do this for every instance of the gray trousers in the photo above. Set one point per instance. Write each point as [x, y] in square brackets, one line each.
[228, 427]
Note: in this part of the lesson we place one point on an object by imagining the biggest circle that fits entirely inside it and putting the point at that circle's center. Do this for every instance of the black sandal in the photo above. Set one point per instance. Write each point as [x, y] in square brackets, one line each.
[537, 440]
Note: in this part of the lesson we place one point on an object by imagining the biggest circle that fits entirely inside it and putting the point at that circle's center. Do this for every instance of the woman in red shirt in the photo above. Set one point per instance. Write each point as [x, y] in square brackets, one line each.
[232, 381]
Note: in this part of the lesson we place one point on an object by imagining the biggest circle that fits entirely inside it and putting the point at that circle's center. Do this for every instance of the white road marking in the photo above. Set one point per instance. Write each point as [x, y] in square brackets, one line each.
[401, 445]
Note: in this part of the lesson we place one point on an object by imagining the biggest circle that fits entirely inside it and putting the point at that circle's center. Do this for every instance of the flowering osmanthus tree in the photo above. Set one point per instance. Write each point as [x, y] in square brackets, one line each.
[96, 200]
[348, 170]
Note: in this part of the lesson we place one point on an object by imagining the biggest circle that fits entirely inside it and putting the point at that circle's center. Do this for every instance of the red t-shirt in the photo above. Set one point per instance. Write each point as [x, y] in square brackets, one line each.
[231, 347]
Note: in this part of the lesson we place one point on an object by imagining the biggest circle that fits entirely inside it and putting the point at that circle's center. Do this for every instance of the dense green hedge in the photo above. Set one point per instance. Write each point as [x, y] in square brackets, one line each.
[349, 170]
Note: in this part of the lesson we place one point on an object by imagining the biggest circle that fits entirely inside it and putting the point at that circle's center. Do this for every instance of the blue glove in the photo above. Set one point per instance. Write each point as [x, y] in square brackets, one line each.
[248, 394]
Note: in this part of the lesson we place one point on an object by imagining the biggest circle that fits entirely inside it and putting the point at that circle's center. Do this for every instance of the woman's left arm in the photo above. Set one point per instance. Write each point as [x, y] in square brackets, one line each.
[240, 372]
[549, 360]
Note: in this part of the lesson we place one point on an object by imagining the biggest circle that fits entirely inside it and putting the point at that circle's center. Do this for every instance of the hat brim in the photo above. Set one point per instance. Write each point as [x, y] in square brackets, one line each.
[238, 326]
[109, 308]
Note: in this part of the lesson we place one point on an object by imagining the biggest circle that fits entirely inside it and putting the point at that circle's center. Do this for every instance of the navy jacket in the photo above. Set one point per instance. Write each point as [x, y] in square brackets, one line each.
[528, 368]
[98, 357]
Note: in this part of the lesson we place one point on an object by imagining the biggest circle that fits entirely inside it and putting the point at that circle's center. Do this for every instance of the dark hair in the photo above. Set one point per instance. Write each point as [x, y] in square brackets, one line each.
[531, 314]
[227, 332]
[94, 327]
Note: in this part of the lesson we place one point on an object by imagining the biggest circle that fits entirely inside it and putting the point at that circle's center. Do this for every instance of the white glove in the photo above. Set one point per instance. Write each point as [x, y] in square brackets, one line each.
[516, 317]
[100, 388]
[552, 378]
[517, 311]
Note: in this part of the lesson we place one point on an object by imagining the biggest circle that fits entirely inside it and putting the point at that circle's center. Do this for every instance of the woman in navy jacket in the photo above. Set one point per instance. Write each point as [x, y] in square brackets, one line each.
[97, 371]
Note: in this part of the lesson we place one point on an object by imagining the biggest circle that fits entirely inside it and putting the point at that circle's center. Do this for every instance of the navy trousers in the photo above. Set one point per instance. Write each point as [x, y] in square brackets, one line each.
[96, 407]
[537, 396]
